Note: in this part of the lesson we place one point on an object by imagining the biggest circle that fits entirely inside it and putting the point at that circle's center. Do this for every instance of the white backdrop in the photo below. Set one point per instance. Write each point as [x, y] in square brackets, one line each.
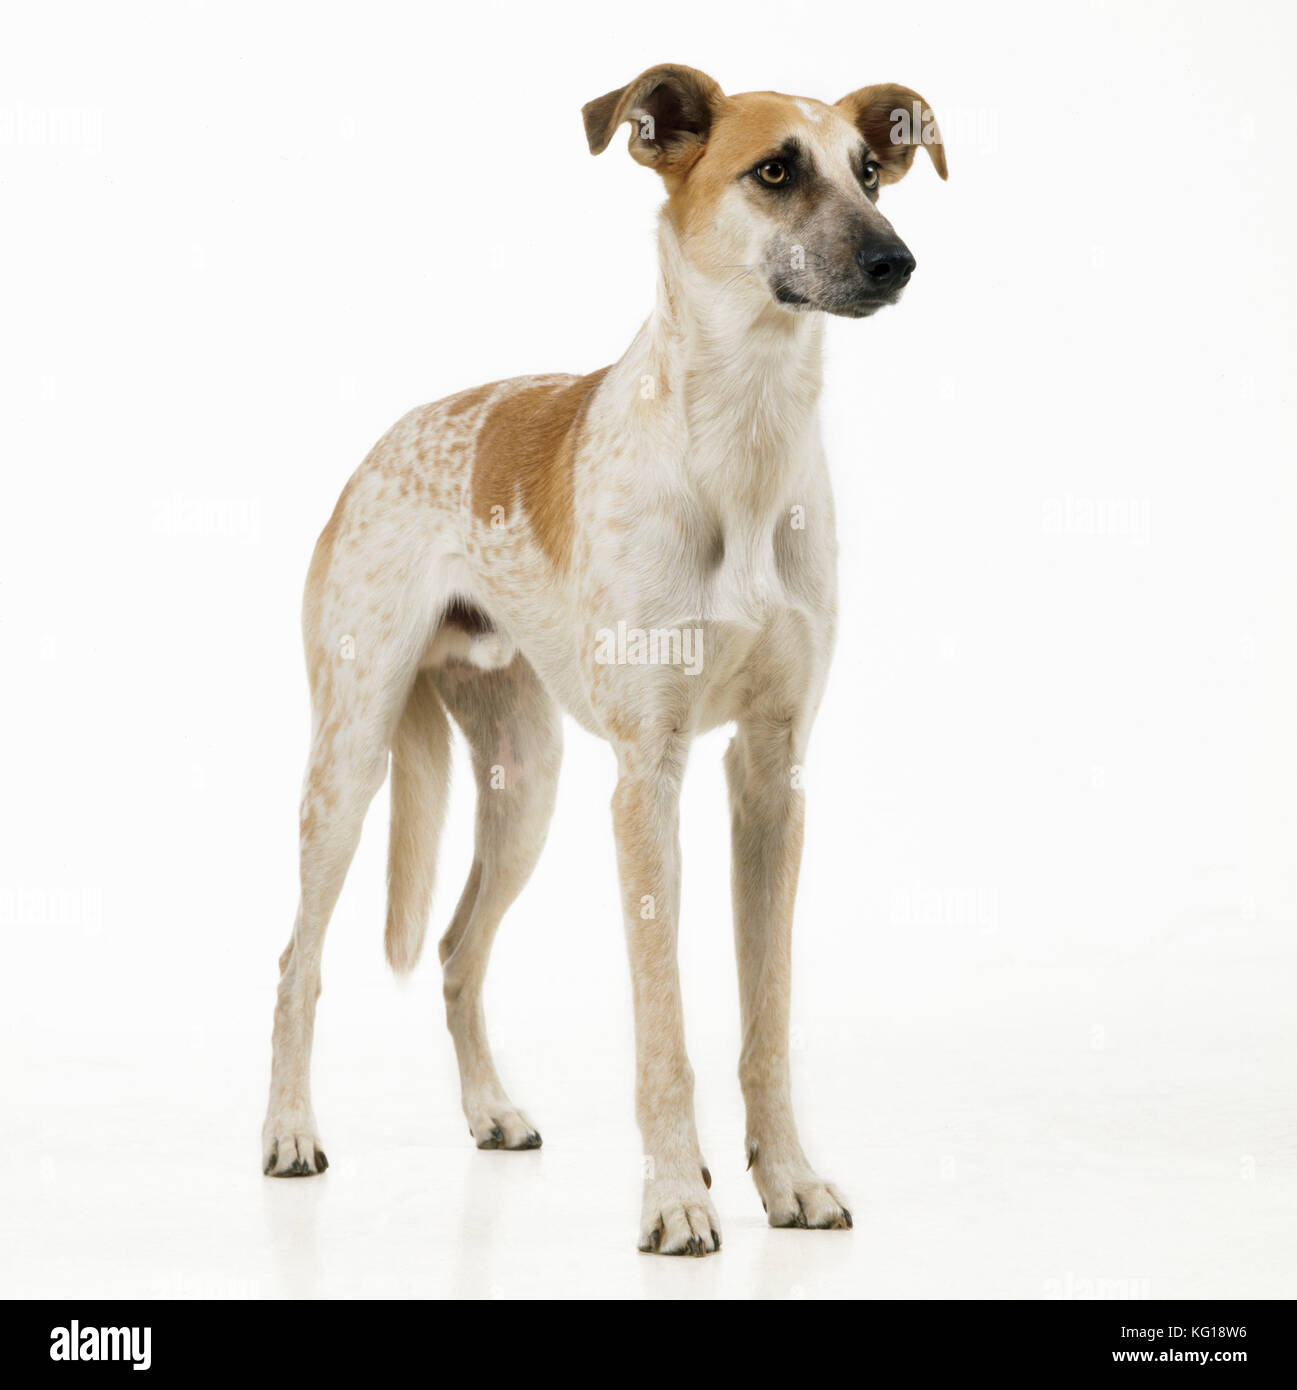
[1044, 958]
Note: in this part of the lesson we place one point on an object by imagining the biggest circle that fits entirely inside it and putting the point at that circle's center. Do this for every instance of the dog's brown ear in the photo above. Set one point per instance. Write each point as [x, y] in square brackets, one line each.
[671, 108]
[895, 121]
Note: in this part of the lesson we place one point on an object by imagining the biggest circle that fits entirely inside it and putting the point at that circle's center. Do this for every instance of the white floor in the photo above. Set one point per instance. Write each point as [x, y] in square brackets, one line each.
[994, 1142]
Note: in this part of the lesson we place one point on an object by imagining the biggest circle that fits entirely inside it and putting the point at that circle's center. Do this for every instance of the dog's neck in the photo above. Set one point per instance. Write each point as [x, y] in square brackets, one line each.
[720, 388]
[744, 373]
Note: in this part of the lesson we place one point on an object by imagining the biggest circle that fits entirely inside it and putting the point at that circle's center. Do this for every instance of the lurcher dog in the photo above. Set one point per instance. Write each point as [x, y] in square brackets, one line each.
[650, 548]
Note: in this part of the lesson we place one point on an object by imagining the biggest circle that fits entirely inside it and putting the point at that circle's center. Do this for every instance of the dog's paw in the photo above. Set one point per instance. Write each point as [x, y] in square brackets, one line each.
[804, 1201]
[793, 1195]
[502, 1127]
[291, 1151]
[678, 1218]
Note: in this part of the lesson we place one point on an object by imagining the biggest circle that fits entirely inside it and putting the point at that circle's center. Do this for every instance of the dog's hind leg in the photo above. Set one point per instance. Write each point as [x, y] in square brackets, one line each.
[365, 631]
[514, 731]
[347, 766]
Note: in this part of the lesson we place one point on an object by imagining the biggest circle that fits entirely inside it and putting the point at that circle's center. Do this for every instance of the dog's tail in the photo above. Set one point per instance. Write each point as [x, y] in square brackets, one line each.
[420, 782]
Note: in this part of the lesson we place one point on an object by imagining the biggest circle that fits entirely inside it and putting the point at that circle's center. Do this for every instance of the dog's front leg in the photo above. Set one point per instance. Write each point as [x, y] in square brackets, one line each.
[768, 811]
[678, 1216]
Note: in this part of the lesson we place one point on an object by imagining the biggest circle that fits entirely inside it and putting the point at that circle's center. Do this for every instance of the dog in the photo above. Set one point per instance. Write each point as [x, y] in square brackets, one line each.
[554, 543]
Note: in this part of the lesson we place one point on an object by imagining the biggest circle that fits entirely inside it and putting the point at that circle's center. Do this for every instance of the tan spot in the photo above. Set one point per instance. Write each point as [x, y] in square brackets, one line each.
[526, 451]
[620, 725]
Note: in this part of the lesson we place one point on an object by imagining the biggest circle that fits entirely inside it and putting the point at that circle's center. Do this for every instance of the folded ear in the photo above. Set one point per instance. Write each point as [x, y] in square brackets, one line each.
[895, 121]
[672, 108]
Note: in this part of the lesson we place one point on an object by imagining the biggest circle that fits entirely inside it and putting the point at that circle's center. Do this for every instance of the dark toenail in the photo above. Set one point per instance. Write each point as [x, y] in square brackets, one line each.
[716, 1240]
[656, 1238]
[321, 1160]
[707, 1177]
[846, 1216]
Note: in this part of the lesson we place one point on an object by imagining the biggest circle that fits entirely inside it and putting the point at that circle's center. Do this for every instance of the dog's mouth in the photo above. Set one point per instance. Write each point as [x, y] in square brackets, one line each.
[865, 306]
[852, 304]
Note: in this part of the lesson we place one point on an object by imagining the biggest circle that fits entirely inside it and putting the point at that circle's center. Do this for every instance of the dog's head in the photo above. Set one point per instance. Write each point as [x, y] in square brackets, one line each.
[777, 195]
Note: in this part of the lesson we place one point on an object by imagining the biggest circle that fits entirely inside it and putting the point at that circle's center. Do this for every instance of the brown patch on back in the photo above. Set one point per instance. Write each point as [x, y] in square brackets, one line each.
[526, 452]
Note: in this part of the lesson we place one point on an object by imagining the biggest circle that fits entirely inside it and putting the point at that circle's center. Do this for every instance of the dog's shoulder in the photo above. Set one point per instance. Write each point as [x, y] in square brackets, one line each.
[524, 455]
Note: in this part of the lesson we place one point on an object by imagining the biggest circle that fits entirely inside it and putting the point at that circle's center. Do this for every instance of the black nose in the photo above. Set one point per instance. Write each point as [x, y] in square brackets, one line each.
[887, 266]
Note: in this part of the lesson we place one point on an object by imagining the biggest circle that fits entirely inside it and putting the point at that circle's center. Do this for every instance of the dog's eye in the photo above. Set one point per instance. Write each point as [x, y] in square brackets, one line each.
[869, 174]
[772, 173]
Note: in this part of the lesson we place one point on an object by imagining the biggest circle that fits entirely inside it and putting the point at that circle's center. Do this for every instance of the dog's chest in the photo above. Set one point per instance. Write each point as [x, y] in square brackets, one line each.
[702, 607]
[674, 559]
